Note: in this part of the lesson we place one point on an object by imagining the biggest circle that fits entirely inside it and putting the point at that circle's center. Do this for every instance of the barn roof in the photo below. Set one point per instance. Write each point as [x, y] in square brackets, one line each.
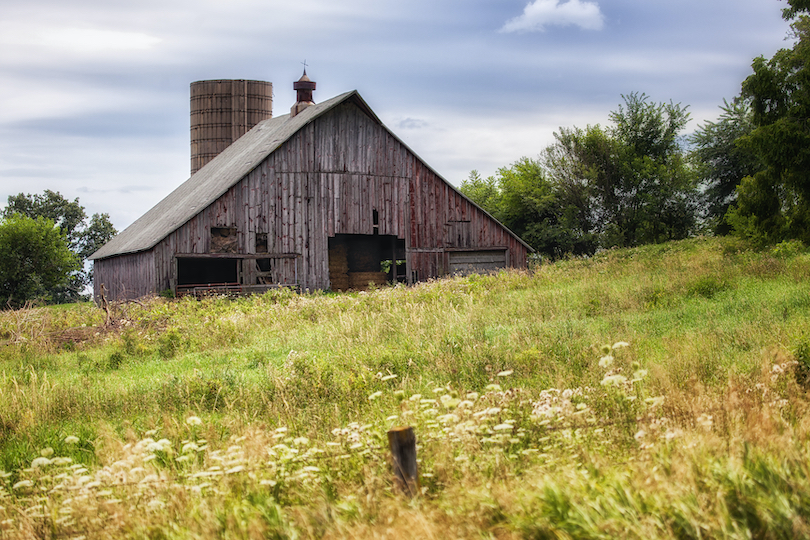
[219, 175]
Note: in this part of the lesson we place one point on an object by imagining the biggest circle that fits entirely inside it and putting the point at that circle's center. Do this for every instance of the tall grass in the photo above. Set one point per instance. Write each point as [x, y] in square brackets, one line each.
[266, 416]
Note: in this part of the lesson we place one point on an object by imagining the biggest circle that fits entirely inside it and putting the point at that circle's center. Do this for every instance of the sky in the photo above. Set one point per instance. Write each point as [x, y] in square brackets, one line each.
[94, 94]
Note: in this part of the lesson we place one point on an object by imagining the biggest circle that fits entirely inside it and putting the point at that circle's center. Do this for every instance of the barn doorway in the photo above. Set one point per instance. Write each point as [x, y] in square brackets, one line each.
[207, 271]
[356, 260]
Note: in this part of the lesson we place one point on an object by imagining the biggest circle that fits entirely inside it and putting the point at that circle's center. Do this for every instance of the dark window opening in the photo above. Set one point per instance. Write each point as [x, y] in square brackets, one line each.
[224, 240]
[261, 242]
[375, 221]
[193, 271]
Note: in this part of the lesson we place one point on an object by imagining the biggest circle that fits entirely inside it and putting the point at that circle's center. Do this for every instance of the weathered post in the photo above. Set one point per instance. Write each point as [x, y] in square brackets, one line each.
[402, 442]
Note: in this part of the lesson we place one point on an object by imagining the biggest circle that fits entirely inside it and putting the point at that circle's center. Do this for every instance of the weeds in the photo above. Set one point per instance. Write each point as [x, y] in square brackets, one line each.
[267, 416]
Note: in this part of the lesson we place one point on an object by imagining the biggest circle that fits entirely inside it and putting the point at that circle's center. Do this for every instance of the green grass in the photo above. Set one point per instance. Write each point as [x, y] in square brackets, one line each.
[705, 437]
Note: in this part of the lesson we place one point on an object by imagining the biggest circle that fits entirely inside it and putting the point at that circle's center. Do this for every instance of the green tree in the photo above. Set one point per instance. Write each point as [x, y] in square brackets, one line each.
[522, 198]
[722, 162]
[34, 259]
[629, 184]
[83, 237]
[774, 203]
[482, 191]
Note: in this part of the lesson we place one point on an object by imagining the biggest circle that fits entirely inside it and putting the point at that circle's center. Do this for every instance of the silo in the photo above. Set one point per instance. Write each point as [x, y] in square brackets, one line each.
[222, 111]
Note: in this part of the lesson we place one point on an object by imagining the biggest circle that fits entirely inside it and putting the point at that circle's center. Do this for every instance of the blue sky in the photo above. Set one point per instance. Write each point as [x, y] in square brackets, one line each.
[94, 100]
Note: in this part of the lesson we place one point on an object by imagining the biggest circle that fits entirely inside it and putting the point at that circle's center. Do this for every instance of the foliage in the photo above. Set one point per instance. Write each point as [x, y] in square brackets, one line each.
[630, 182]
[721, 162]
[84, 238]
[774, 204]
[626, 185]
[34, 259]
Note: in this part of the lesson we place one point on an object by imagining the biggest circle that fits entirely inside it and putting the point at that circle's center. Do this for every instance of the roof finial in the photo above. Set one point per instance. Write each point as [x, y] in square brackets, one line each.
[305, 66]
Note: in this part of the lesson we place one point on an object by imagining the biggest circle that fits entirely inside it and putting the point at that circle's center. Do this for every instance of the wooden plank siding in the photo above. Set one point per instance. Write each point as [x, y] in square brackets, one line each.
[127, 277]
[328, 179]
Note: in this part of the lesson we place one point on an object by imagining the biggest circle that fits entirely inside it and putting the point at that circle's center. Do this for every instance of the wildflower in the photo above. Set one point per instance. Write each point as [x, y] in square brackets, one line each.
[503, 427]
[606, 361]
[375, 395]
[472, 396]
[40, 462]
[301, 441]
[193, 421]
[190, 447]
[639, 375]
[614, 380]
[22, 484]
[389, 377]
[620, 345]
[415, 397]
[71, 439]
[493, 388]
[505, 373]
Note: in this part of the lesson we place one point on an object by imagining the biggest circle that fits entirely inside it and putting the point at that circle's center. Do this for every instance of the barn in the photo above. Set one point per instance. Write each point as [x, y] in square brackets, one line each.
[325, 197]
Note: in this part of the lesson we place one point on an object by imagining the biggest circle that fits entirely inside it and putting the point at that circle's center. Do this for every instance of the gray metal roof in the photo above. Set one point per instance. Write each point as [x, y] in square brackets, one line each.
[220, 174]
[214, 180]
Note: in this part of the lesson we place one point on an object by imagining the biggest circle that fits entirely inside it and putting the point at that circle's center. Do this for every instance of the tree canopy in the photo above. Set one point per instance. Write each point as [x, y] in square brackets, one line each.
[83, 236]
[34, 259]
[623, 185]
[774, 203]
[721, 162]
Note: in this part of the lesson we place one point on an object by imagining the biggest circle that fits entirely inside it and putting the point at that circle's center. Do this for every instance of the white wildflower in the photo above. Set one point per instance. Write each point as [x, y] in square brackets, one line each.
[40, 462]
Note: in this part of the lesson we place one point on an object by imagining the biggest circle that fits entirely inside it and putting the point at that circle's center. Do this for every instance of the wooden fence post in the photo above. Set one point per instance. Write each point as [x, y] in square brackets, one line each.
[402, 442]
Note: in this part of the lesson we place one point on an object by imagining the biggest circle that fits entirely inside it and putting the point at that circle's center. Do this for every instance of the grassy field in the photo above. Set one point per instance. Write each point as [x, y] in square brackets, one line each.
[657, 392]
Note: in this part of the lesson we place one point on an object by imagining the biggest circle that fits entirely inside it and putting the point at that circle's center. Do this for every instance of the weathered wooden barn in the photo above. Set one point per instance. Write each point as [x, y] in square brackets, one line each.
[324, 197]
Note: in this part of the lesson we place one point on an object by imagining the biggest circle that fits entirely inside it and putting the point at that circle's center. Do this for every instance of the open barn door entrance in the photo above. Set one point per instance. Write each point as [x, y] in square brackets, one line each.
[355, 260]
[207, 271]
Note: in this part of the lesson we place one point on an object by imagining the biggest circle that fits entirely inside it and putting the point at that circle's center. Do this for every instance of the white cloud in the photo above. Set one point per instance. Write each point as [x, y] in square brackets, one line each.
[541, 13]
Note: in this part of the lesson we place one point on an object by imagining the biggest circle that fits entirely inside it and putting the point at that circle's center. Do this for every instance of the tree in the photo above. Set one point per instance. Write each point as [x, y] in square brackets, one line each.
[774, 203]
[34, 259]
[628, 184]
[482, 191]
[522, 198]
[83, 237]
[722, 162]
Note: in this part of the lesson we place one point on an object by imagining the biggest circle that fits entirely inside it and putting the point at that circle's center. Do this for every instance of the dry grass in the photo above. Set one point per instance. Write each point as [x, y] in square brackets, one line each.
[266, 417]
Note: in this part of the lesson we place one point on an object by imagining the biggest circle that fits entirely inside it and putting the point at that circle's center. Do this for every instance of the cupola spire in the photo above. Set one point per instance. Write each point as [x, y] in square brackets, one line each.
[303, 93]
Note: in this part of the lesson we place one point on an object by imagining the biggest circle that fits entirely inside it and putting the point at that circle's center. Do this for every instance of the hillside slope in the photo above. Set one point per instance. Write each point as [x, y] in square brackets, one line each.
[645, 393]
